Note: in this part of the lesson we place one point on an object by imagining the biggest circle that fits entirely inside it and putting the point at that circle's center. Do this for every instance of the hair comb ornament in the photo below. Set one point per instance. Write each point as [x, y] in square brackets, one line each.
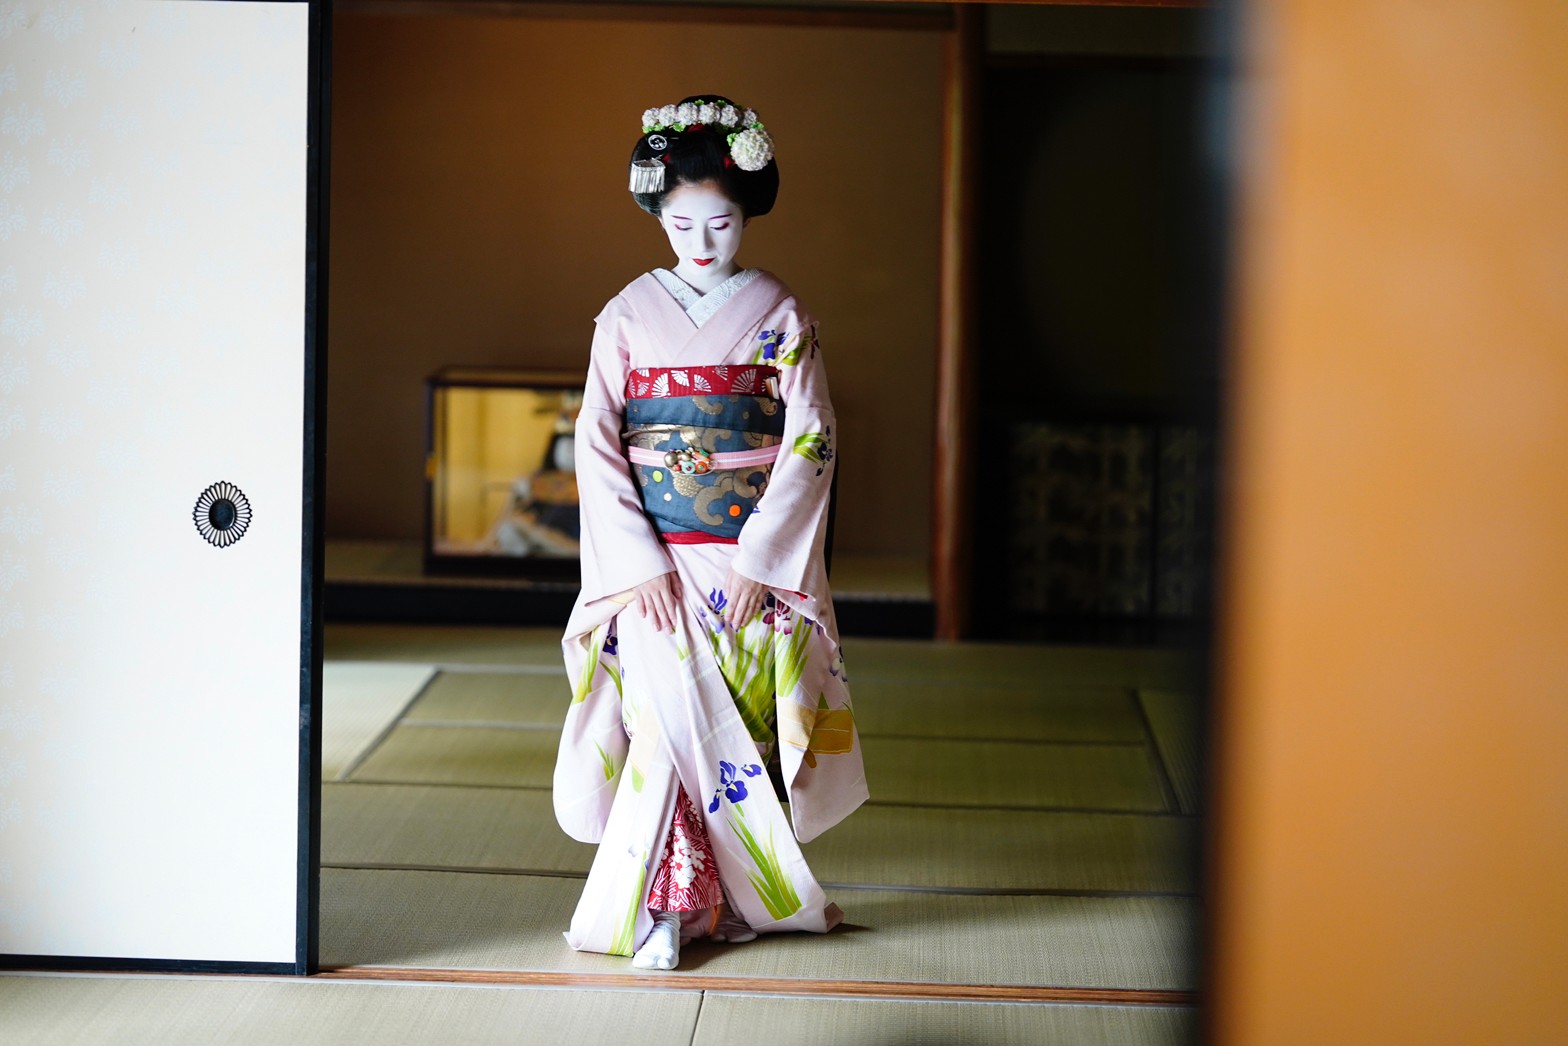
[647, 176]
[751, 148]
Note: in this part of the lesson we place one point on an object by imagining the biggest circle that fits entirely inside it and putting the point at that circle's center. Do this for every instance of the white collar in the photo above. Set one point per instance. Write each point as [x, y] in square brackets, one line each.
[700, 307]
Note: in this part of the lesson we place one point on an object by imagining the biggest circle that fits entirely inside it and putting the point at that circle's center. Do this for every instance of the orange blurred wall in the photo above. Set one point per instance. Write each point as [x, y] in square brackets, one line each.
[1392, 798]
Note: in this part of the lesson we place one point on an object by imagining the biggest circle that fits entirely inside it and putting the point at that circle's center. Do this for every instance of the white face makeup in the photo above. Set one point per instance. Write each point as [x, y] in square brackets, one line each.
[704, 227]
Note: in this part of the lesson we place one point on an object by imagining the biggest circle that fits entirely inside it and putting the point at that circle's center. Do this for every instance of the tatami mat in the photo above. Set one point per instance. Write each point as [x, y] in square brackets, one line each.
[1019, 833]
[1175, 718]
[496, 697]
[897, 659]
[1033, 711]
[502, 828]
[948, 773]
[359, 700]
[1008, 850]
[1035, 774]
[463, 755]
[515, 829]
[1027, 664]
[512, 922]
[64, 1010]
[908, 707]
[727, 1019]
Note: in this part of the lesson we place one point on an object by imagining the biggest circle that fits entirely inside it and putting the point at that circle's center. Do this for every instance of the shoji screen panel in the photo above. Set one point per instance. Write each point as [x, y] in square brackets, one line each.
[153, 343]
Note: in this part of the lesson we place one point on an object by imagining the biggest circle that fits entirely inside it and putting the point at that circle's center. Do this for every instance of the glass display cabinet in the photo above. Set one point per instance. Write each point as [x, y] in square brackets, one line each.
[500, 484]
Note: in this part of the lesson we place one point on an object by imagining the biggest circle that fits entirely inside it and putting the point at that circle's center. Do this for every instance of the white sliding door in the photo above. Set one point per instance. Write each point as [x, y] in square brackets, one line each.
[154, 179]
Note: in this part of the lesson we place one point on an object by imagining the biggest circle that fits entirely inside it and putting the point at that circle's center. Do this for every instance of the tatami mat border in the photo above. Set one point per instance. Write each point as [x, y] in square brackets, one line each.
[1162, 772]
[956, 891]
[778, 986]
[1107, 810]
[480, 668]
[869, 675]
[386, 730]
[870, 802]
[493, 724]
[477, 724]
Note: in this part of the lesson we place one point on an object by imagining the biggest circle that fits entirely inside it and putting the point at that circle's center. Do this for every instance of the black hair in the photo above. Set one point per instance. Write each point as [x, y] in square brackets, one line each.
[701, 153]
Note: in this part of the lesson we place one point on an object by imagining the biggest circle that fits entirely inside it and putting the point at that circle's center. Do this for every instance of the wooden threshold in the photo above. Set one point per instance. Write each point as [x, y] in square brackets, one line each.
[770, 985]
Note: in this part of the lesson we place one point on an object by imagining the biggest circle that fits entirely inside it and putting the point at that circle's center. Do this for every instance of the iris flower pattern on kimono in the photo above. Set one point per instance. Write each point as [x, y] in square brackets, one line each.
[704, 707]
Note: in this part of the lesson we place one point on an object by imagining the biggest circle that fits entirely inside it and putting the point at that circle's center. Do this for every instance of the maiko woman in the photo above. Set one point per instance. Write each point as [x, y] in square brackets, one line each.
[703, 642]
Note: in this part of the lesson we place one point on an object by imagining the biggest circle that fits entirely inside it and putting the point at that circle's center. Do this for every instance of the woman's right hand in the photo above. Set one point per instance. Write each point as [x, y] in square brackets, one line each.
[658, 600]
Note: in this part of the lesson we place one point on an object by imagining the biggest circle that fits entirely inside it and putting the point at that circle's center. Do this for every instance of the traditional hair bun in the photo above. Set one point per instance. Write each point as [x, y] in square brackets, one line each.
[705, 138]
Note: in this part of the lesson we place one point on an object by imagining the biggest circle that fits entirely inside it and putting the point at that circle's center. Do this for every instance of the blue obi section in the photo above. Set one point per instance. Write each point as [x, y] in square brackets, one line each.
[737, 414]
[718, 503]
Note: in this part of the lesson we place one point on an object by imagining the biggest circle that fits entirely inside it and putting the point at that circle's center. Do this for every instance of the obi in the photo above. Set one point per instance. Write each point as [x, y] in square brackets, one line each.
[701, 442]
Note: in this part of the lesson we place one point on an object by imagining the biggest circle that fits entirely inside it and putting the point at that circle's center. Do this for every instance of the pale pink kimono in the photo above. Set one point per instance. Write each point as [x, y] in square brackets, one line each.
[653, 709]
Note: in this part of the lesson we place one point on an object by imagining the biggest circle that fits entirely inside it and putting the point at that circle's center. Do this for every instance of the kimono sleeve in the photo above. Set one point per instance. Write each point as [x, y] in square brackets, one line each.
[781, 543]
[620, 548]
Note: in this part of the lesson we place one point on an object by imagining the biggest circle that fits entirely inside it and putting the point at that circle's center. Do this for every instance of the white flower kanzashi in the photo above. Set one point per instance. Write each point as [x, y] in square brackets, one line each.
[698, 112]
[752, 149]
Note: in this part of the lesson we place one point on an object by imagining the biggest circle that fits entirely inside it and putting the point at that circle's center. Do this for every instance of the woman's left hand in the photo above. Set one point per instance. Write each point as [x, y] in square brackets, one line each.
[745, 596]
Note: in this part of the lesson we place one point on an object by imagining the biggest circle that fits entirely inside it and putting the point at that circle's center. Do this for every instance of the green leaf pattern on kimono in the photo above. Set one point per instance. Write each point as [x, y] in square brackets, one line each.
[789, 657]
[622, 945]
[744, 657]
[812, 446]
[591, 665]
[609, 763]
[769, 880]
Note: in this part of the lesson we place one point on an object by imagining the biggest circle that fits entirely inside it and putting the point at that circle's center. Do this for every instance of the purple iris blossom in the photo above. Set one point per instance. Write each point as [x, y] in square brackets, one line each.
[612, 644]
[716, 603]
[730, 784]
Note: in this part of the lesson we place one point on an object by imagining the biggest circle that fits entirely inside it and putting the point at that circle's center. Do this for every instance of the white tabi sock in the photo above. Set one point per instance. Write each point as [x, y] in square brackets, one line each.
[662, 949]
[732, 928]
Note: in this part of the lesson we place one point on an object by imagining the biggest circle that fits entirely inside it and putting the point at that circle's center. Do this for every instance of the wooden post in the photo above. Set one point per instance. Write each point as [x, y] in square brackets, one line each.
[957, 341]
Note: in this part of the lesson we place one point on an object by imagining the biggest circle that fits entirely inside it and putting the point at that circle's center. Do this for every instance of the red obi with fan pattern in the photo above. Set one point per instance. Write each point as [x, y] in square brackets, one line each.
[718, 380]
